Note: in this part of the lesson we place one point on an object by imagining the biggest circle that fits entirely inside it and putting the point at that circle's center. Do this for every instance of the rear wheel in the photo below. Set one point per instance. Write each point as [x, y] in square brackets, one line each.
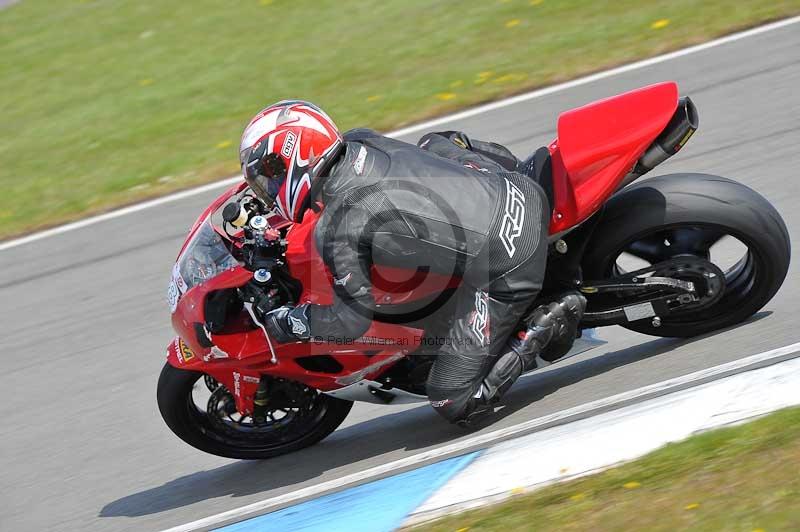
[202, 413]
[694, 216]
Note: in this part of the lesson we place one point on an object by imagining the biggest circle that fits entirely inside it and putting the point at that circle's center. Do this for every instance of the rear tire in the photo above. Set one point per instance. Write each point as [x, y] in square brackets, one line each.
[192, 425]
[710, 203]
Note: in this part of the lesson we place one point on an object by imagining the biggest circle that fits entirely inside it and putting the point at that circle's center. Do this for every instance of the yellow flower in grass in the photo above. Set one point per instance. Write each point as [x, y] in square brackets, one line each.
[577, 497]
[535, 2]
[510, 78]
[692, 506]
[483, 77]
[660, 23]
[374, 98]
[631, 485]
[223, 144]
[445, 96]
[513, 22]
[145, 82]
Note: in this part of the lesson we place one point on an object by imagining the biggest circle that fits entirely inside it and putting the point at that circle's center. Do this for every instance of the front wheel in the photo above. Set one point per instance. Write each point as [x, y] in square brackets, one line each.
[205, 416]
[696, 216]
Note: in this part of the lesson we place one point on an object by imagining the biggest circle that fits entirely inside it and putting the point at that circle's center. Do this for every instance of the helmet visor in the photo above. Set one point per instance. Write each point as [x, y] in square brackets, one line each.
[265, 173]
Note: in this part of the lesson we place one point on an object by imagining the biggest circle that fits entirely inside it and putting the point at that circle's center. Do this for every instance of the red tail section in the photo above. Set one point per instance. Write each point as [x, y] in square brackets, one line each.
[599, 143]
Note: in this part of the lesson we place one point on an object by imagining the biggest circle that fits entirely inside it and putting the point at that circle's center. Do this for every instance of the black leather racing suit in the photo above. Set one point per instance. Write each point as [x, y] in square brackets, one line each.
[442, 209]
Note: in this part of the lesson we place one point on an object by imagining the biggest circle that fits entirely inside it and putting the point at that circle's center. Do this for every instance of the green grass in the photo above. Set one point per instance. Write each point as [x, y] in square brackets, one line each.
[106, 102]
[740, 478]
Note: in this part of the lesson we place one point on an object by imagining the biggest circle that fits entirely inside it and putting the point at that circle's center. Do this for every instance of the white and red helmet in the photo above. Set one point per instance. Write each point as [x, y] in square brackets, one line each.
[284, 149]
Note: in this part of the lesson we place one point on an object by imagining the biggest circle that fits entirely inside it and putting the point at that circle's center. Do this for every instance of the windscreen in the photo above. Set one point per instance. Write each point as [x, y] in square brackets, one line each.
[205, 256]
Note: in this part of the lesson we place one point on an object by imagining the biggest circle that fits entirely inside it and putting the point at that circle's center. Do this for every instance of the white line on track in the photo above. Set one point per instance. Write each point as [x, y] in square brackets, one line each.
[418, 127]
[559, 418]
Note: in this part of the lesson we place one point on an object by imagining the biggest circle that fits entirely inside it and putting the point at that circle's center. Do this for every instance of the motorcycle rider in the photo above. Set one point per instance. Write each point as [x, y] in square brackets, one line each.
[450, 205]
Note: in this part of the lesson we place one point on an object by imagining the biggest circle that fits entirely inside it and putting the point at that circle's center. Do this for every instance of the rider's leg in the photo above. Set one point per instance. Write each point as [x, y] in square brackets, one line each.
[547, 334]
[477, 335]
[470, 377]
[497, 290]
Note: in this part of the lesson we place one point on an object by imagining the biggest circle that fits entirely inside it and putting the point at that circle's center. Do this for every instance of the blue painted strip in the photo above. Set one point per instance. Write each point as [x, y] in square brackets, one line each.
[379, 506]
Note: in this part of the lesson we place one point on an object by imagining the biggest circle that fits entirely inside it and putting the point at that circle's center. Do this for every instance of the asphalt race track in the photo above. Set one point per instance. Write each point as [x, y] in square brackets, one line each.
[85, 324]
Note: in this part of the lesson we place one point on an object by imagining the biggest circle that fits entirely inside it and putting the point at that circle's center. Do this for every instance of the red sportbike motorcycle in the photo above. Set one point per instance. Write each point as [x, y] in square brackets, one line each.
[644, 255]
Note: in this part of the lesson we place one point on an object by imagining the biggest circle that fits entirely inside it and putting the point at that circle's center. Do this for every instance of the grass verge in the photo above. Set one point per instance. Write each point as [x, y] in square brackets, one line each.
[106, 102]
[745, 478]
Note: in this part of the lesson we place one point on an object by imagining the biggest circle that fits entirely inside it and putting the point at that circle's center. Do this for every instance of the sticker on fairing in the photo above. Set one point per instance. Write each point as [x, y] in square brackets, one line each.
[173, 295]
[177, 286]
[178, 278]
[184, 352]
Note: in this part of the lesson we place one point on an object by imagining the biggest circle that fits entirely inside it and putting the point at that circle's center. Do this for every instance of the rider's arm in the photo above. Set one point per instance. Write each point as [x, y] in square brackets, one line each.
[346, 250]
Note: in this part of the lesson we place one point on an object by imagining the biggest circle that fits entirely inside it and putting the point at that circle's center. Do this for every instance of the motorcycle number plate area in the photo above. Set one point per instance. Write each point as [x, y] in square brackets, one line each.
[639, 312]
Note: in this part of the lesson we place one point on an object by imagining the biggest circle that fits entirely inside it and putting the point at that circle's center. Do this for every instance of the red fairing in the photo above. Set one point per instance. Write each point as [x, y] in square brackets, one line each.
[188, 318]
[599, 143]
[305, 263]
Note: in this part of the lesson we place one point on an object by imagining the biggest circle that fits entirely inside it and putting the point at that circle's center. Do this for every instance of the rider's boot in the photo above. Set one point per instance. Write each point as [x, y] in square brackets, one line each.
[550, 330]
[549, 333]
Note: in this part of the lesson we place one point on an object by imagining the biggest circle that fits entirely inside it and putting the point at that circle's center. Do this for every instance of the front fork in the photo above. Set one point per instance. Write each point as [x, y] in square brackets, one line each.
[242, 383]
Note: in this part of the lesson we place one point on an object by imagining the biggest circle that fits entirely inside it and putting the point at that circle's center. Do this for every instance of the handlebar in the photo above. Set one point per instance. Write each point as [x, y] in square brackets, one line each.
[262, 246]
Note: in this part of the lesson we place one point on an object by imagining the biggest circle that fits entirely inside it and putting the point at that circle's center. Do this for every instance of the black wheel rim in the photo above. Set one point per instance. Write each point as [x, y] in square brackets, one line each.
[219, 420]
[742, 274]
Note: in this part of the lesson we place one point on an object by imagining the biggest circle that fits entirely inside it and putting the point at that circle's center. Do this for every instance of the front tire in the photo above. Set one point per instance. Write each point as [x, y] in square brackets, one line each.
[681, 214]
[224, 438]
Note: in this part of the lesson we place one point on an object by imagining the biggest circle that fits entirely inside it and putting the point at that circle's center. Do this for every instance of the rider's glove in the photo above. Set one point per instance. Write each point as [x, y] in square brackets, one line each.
[288, 324]
[264, 302]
